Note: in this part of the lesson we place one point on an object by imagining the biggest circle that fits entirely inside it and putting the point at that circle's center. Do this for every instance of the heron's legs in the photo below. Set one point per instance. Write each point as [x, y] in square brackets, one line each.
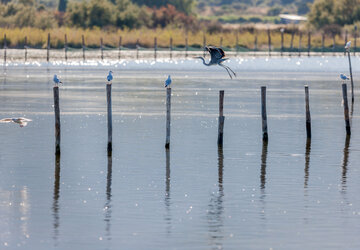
[226, 69]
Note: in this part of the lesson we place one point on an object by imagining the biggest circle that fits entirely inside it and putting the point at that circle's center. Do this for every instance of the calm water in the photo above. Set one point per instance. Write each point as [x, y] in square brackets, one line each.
[287, 194]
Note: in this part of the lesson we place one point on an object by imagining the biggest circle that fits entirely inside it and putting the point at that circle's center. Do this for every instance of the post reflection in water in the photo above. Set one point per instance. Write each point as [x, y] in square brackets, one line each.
[216, 209]
[345, 163]
[263, 176]
[56, 206]
[107, 207]
[307, 162]
[167, 193]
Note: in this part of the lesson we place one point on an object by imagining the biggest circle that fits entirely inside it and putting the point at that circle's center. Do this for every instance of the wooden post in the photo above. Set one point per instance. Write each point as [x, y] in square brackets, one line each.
[309, 43]
[282, 41]
[204, 45]
[171, 47]
[300, 37]
[120, 45]
[101, 48]
[292, 40]
[137, 49]
[351, 77]
[237, 44]
[322, 43]
[269, 41]
[346, 40]
[221, 118]
[5, 46]
[57, 120]
[334, 45]
[168, 109]
[109, 117]
[25, 47]
[83, 46]
[65, 47]
[221, 42]
[263, 114]
[355, 37]
[48, 48]
[346, 109]
[255, 43]
[307, 110]
[155, 48]
[186, 47]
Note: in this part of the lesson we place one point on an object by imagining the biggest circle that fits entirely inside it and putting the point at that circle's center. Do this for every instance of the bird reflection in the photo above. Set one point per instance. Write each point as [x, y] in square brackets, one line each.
[345, 163]
[167, 192]
[107, 207]
[56, 207]
[263, 176]
[307, 161]
[216, 209]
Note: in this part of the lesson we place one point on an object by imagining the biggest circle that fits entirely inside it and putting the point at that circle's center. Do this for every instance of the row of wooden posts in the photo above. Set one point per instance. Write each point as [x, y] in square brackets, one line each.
[221, 118]
[120, 46]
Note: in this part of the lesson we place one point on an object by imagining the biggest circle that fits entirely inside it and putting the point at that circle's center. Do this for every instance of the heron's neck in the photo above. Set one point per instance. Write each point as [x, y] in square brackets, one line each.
[202, 58]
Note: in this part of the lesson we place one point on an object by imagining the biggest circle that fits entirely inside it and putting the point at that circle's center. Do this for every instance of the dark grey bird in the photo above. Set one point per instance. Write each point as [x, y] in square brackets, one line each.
[217, 58]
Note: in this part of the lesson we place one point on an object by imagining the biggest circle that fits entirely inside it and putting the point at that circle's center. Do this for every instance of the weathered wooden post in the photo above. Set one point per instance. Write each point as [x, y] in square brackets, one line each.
[25, 48]
[102, 48]
[307, 110]
[186, 47]
[109, 117]
[221, 118]
[57, 119]
[322, 43]
[300, 37]
[65, 47]
[137, 49]
[263, 114]
[237, 44]
[48, 48]
[120, 45]
[269, 41]
[351, 76]
[171, 47]
[83, 46]
[5, 48]
[292, 41]
[346, 109]
[255, 44]
[168, 114]
[282, 41]
[309, 43]
[155, 48]
[334, 43]
[221, 42]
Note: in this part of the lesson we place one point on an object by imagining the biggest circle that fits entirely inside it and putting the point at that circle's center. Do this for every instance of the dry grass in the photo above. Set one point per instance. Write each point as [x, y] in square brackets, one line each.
[38, 38]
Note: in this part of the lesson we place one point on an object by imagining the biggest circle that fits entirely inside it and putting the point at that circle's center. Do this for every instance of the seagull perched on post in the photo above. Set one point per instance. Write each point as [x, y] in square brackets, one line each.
[168, 82]
[56, 80]
[217, 58]
[348, 45]
[344, 77]
[110, 77]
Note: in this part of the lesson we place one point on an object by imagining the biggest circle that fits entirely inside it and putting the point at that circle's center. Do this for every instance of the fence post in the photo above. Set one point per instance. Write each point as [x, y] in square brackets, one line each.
[307, 111]
[269, 41]
[25, 47]
[83, 46]
[168, 117]
[346, 109]
[48, 48]
[171, 47]
[309, 43]
[5, 46]
[65, 47]
[109, 117]
[120, 45]
[57, 120]
[155, 48]
[101, 48]
[263, 114]
[221, 118]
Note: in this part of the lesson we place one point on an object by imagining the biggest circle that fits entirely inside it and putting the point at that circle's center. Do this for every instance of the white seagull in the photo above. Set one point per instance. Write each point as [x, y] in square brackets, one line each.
[168, 82]
[21, 121]
[348, 45]
[344, 77]
[56, 80]
[109, 77]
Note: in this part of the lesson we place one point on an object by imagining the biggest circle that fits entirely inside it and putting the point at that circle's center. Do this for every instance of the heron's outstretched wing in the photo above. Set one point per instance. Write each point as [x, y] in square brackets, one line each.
[216, 53]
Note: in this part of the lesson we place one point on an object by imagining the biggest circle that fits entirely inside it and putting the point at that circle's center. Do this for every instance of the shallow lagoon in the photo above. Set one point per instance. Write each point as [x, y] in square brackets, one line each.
[288, 194]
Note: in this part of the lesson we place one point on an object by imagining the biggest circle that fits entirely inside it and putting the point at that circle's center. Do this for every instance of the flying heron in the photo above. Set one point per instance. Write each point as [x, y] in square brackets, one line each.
[56, 80]
[21, 121]
[168, 82]
[110, 77]
[217, 58]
